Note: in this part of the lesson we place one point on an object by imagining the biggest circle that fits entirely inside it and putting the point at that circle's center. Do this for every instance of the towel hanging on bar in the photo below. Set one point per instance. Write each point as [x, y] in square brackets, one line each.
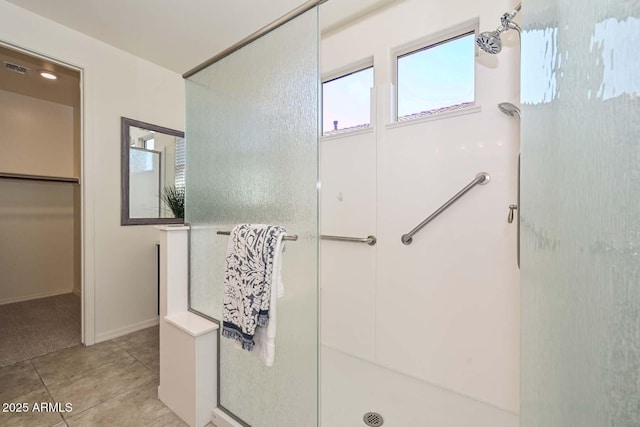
[248, 280]
[286, 237]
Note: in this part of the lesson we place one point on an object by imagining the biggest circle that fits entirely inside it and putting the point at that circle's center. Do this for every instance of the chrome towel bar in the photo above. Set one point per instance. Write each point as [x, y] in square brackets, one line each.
[481, 178]
[293, 237]
[370, 240]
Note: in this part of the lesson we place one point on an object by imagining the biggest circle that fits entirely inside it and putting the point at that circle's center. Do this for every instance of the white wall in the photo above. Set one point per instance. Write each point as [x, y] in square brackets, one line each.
[36, 137]
[119, 262]
[444, 311]
[36, 218]
[36, 244]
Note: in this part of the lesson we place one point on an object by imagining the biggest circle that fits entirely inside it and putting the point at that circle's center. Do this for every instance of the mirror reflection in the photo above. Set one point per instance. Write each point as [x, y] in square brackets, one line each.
[153, 171]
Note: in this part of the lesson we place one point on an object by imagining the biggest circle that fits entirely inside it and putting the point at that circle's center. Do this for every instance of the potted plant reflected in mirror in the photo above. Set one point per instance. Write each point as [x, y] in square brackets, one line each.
[174, 199]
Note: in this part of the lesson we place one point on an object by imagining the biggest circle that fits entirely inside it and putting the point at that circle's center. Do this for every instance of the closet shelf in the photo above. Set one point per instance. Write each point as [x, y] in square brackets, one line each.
[6, 175]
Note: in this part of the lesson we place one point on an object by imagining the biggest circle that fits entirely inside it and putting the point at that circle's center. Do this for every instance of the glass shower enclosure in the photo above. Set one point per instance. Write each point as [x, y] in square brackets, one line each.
[252, 125]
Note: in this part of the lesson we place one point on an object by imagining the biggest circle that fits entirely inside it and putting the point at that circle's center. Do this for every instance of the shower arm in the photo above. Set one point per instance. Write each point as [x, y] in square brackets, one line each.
[507, 21]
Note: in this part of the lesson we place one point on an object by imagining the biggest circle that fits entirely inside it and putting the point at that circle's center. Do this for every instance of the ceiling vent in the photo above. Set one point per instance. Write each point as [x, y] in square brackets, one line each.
[9, 66]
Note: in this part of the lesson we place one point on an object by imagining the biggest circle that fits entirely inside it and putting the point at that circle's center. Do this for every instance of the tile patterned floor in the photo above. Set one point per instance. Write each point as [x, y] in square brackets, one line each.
[114, 383]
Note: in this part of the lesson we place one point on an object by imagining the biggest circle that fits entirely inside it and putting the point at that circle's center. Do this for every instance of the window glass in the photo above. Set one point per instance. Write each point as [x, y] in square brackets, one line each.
[346, 102]
[436, 78]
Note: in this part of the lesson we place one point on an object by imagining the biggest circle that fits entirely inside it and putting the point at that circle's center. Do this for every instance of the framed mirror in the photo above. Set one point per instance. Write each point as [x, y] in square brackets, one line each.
[153, 167]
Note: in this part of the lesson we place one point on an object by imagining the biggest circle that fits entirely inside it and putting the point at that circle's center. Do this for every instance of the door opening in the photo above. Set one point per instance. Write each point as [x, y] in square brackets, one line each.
[41, 205]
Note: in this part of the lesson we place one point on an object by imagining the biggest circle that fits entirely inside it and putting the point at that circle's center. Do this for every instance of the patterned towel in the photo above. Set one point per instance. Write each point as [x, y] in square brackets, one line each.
[248, 279]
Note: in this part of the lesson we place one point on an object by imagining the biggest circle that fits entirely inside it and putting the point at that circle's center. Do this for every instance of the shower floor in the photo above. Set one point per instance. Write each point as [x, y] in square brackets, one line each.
[352, 387]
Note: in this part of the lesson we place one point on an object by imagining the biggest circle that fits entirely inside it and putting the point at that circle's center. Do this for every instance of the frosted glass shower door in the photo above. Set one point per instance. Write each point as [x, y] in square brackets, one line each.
[252, 127]
[580, 214]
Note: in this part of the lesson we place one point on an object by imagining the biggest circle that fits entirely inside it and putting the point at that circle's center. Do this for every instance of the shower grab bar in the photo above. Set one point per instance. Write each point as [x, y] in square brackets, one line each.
[293, 237]
[481, 178]
[370, 240]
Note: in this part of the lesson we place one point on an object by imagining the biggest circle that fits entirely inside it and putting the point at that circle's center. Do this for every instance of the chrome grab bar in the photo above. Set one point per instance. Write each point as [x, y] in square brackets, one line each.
[293, 237]
[481, 178]
[370, 240]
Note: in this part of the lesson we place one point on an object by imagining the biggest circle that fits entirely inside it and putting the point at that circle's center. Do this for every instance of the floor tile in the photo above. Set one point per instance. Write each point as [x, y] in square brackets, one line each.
[150, 357]
[17, 380]
[109, 384]
[137, 408]
[31, 418]
[139, 341]
[98, 385]
[62, 365]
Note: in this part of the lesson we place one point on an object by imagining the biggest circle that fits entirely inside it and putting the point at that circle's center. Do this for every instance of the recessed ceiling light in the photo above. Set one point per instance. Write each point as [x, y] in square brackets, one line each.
[48, 75]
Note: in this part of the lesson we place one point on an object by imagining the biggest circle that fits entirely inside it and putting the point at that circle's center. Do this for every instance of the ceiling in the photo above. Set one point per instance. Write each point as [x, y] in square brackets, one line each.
[179, 34]
[65, 90]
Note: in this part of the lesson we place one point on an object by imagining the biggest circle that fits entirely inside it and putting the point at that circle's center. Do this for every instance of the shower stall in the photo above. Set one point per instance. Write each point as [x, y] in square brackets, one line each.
[384, 322]
[374, 328]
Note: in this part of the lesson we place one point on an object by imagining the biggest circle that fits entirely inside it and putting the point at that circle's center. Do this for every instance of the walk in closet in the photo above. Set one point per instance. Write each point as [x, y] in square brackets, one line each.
[40, 206]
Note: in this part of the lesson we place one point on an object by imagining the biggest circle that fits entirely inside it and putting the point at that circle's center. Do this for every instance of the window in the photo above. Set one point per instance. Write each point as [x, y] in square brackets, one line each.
[436, 78]
[346, 102]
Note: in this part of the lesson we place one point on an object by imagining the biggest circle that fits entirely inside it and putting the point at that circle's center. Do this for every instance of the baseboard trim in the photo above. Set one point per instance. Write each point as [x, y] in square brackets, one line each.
[35, 296]
[115, 333]
[76, 291]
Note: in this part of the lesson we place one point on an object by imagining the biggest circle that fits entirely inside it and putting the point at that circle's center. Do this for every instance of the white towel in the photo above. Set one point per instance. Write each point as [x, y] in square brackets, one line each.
[265, 337]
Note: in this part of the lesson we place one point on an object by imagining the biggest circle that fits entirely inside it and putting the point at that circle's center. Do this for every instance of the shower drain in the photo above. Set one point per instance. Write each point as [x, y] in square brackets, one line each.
[373, 419]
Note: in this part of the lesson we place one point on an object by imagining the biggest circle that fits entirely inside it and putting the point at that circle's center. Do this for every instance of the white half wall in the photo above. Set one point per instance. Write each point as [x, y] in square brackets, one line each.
[119, 262]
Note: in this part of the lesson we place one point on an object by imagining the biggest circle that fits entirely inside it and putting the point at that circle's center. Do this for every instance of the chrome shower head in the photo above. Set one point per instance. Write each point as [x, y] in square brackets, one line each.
[509, 109]
[490, 42]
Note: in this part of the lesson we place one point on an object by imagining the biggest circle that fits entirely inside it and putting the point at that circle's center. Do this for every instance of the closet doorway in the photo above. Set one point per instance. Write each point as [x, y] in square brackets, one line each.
[40, 206]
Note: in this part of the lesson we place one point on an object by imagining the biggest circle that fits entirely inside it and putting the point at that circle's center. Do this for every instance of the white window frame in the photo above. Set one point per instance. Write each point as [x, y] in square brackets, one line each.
[344, 71]
[462, 29]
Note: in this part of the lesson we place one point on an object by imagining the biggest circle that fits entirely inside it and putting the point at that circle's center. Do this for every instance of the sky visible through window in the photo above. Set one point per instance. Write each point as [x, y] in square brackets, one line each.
[347, 100]
[429, 79]
[437, 77]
